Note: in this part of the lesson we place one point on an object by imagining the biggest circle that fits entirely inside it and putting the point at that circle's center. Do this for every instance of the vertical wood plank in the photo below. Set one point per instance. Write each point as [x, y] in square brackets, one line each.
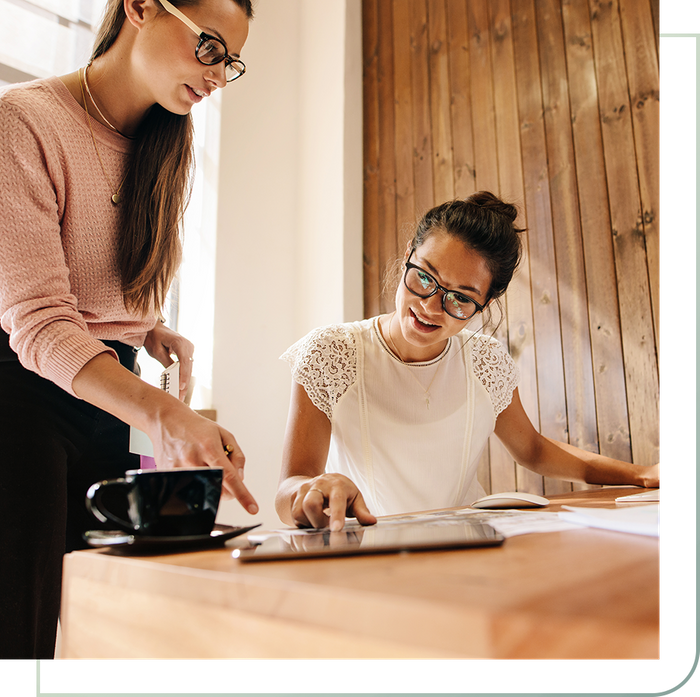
[576, 341]
[388, 242]
[548, 340]
[502, 467]
[422, 133]
[601, 282]
[461, 106]
[403, 121]
[638, 340]
[518, 327]
[440, 122]
[481, 85]
[371, 145]
[642, 63]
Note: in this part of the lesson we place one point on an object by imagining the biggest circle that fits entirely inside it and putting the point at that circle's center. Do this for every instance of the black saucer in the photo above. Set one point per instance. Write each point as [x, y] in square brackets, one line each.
[123, 542]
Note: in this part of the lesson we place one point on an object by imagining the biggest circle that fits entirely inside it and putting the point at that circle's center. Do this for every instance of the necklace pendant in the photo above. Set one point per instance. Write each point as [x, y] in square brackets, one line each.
[427, 401]
[116, 198]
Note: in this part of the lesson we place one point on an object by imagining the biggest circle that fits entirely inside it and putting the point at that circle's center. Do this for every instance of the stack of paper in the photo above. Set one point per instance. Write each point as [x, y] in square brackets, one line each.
[641, 520]
[643, 497]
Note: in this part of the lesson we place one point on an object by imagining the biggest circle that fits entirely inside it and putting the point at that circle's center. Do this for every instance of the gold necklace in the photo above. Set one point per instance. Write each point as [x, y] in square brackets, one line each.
[115, 196]
[437, 370]
[99, 111]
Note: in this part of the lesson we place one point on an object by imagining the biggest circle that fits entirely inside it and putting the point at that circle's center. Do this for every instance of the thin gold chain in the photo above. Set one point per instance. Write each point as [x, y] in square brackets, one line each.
[115, 196]
[99, 111]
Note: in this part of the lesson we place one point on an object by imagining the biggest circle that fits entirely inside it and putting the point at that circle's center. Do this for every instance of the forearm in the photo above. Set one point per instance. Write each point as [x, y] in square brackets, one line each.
[104, 383]
[180, 437]
[565, 461]
[306, 443]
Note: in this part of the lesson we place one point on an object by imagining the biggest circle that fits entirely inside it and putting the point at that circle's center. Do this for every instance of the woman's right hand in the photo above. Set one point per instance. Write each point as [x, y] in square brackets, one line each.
[183, 438]
[334, 493]
[180, 436]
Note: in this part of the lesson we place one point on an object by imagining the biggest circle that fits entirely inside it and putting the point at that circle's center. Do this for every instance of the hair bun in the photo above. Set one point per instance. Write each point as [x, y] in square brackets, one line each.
[485, 199]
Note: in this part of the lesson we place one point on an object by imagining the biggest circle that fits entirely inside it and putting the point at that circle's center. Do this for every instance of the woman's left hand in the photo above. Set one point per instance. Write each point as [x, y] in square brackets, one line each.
[162, 343]
[650, 477]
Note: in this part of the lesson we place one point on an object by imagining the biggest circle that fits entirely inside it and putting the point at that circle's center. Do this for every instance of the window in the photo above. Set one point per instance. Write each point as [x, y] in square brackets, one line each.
[61, 32]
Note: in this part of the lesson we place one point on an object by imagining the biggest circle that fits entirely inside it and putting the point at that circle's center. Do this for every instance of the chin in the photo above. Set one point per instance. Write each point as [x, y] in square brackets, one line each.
[180, 107]
[181, 111]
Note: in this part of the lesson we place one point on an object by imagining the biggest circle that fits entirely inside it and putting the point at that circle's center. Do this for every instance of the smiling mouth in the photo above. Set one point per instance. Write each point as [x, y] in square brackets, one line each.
[199, 93]
[421, 321]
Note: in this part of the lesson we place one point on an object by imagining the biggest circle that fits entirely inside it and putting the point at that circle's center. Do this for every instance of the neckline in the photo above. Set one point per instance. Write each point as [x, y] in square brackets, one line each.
[416, 364]
[103, 134]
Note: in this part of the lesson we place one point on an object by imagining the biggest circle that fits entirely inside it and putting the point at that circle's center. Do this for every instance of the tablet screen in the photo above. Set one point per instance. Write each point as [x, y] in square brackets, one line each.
[405, 537]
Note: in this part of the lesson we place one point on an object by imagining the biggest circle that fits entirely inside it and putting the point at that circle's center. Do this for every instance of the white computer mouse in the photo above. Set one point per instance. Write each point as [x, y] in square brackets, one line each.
[511, 499]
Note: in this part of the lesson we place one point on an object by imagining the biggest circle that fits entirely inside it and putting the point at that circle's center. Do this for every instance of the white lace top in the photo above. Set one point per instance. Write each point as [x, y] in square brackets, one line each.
[405, 451]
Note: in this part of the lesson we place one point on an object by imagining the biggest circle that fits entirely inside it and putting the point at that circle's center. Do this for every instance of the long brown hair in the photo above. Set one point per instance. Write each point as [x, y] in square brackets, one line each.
[156, 189]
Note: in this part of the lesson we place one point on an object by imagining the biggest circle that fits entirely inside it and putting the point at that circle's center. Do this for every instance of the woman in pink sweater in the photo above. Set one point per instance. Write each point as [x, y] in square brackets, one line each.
[94, 172]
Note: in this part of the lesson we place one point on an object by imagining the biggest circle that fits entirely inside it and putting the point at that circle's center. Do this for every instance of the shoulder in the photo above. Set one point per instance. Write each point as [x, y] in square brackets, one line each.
[326, 355]
[486, 348]
[324, 362]
[333, 338]
[34, 112]
[27, 98]
[495, 369]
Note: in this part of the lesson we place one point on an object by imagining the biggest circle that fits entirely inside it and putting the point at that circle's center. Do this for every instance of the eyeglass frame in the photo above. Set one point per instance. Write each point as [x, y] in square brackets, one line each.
[203, 36]
[445, 291]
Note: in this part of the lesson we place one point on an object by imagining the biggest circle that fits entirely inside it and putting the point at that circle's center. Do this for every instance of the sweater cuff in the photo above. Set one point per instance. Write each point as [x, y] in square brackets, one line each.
[69, 357]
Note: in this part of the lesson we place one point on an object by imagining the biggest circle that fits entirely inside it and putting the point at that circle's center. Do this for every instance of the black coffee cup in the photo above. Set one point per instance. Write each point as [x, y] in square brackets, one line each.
[162, 503]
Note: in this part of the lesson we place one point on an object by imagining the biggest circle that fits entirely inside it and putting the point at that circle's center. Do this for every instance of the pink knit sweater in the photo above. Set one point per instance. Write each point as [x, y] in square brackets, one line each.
[60, 290]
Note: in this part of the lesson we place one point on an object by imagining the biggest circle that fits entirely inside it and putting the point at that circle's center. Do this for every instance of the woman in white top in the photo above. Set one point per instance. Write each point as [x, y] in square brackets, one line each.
[391, 414]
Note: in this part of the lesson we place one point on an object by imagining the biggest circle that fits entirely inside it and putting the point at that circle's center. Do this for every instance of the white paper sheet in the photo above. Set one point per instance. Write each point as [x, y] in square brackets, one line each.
[640, 520]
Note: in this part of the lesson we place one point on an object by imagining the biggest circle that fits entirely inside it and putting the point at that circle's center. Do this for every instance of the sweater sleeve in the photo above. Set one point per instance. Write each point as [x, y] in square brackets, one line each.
[324, 363]
[37, 306]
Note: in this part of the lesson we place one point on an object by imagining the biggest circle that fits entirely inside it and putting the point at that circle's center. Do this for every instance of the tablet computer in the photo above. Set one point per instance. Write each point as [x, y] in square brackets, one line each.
[374, 539]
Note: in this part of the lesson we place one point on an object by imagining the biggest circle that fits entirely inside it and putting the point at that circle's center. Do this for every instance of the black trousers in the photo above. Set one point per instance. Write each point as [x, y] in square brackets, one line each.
[53, 446]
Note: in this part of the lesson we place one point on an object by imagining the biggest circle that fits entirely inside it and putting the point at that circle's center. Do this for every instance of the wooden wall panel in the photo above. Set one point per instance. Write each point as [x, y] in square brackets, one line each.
[552, 104]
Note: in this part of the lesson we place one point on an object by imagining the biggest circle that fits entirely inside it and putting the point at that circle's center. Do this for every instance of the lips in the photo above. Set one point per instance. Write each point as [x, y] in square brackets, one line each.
[422, 325]
[197, 95]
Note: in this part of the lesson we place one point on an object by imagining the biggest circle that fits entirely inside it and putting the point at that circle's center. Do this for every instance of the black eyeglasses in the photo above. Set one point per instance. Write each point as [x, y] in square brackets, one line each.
[422, 284]
[210, 50]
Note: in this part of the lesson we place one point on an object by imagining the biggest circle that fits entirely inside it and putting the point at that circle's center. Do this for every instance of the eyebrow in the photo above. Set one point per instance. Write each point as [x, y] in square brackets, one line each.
[437, 273]
[213, 32]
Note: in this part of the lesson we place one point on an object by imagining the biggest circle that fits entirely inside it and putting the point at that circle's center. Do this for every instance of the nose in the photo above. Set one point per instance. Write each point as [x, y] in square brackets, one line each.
[216, 74]
[433, 304]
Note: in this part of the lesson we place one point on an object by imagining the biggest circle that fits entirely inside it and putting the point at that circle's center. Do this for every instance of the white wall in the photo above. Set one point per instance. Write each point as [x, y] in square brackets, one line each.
[289, 233]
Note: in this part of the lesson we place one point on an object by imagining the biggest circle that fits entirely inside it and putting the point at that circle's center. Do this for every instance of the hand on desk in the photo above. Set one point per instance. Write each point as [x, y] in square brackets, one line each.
[650, 478]
[332, 494]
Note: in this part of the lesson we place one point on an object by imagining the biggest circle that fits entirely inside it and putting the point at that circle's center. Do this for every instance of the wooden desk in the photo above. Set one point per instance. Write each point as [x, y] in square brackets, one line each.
[581, 593]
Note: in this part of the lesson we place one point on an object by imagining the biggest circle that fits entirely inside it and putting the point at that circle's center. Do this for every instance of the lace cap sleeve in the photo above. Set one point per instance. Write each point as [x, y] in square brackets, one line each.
[496, 370]
[324, 363]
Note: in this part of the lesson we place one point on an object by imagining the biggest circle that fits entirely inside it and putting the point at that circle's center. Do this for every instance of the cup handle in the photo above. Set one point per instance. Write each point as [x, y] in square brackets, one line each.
[93, 501]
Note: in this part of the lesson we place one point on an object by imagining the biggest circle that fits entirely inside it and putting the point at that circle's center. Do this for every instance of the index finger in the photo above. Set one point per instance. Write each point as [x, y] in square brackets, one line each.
[338, 503]
[232, 460]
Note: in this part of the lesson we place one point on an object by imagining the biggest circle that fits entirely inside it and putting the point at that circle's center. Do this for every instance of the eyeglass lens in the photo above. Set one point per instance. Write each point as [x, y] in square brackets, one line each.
[423, 285]
[211, 51]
